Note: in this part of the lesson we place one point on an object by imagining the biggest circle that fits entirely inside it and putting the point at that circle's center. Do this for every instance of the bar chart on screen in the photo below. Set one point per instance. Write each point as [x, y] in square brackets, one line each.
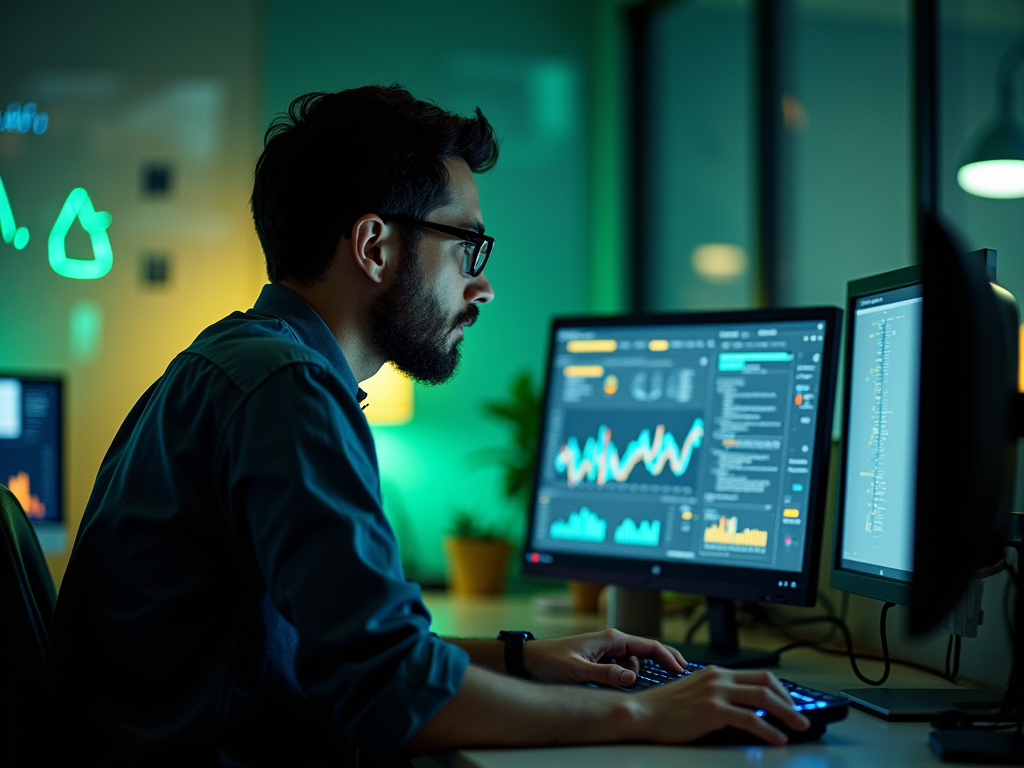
[21, 486]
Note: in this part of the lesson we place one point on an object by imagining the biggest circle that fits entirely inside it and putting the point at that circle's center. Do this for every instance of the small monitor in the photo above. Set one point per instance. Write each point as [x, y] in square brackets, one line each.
[874, 531]
[687, 452]
[31, 451]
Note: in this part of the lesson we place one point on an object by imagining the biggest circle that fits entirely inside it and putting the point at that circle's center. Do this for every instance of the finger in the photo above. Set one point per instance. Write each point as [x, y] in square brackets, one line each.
[642, 647]
[765, 678]
[607, 674]
[760, 697]
[739, 717]
[678, 657]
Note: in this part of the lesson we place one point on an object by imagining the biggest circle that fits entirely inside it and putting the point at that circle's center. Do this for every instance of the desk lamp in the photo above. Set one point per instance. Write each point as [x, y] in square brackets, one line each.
[996, 167]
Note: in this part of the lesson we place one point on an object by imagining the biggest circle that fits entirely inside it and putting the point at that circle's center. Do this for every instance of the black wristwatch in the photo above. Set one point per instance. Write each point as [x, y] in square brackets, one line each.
[514, 642]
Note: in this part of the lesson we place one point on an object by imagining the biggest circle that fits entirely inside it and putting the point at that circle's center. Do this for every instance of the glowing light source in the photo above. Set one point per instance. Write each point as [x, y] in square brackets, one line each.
[11, 232]
[997, 179]
[85, 331]
[719, 262]
[995, 168]
[20, 118]
[78, 205]
[389, 396]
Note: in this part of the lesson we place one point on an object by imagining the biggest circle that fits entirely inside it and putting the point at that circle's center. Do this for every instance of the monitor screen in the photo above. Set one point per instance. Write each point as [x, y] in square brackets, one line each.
[686, 452]
[875, 511]
[30, 445]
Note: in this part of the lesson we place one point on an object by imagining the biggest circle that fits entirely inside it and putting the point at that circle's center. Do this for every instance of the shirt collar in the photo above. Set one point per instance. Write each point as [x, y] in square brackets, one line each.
[287, 306]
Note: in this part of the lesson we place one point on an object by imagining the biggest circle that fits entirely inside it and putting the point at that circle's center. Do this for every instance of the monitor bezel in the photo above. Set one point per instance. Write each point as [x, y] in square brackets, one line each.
[846, 579]
[711, 581]
[50, 378]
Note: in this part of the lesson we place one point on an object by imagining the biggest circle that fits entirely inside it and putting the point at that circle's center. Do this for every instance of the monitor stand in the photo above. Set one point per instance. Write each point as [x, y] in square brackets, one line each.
[638, 612]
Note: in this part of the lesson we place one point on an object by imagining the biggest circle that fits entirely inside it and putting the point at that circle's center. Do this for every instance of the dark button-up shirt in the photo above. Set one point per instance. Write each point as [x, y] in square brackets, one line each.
[235, 594]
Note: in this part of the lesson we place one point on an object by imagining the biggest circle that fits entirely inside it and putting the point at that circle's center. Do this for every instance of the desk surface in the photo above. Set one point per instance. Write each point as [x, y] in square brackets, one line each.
[860, 740]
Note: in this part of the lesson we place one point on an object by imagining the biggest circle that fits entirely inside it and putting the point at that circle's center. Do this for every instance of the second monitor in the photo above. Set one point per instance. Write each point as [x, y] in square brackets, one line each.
[690, 453]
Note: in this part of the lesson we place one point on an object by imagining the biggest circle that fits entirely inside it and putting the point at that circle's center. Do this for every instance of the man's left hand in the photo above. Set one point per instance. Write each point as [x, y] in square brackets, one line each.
[609, 658]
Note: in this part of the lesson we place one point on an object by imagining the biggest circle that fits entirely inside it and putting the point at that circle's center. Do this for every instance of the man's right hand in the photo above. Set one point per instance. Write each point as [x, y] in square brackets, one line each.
[495, 710]
[712, 699]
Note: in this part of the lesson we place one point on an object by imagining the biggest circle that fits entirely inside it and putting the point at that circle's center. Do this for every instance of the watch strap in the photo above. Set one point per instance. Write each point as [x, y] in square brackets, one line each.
[514, 641]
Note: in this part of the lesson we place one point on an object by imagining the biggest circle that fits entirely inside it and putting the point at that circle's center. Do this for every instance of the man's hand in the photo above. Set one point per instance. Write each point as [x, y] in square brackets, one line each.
[715, 698]
[609, 657]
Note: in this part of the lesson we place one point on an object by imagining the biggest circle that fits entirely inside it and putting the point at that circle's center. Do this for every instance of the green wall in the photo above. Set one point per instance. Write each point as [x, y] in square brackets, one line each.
[530, 67]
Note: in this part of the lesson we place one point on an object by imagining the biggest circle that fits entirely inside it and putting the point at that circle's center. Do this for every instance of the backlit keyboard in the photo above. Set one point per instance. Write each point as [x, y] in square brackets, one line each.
[818, 707]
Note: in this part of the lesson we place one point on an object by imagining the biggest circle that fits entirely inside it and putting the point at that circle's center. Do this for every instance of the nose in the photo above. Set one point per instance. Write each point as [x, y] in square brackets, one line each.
[479, 290]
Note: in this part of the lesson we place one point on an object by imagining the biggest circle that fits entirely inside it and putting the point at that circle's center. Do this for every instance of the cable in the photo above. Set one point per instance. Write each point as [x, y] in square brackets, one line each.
[817, 645]
[956, 659]
[696, 626]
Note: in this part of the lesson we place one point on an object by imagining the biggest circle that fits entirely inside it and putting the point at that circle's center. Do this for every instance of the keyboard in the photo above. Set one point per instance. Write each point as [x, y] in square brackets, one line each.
[818, 707]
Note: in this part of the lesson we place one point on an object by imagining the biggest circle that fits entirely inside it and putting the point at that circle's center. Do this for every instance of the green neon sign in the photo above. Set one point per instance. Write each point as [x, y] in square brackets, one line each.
[10, 231]
[78, 205]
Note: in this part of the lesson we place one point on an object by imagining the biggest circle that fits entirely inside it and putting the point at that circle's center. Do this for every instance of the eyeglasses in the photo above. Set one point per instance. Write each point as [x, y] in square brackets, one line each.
[477, 246]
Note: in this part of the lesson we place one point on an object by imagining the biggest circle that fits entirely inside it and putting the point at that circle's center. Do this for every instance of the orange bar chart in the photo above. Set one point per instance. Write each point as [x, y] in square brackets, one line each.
[20, 486]
[725, 533]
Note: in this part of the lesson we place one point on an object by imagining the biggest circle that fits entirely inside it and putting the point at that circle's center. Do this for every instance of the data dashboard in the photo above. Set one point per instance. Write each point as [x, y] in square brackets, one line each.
[680, 443]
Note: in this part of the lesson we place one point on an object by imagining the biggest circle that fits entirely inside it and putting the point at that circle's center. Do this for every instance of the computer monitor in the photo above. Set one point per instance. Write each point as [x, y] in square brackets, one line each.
[873, 543]
[31, 451]
[687, 452]
[971, 416]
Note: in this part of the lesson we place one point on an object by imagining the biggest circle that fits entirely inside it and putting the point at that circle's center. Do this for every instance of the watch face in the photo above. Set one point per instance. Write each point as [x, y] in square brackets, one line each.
[508, 633]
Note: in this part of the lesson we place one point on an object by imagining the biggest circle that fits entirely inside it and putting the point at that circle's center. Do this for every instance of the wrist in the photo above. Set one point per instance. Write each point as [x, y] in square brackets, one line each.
[623, 720]
[514, 652]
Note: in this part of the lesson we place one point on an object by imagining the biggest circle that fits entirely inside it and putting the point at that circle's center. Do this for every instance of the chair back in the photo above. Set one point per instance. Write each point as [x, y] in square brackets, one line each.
[27, 598]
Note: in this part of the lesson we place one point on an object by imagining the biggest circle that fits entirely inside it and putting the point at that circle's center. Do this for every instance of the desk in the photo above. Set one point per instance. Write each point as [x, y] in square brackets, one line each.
[860, 740]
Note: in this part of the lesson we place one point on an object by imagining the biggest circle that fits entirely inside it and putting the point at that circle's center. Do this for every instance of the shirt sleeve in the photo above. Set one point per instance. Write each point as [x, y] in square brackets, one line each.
[302, 484]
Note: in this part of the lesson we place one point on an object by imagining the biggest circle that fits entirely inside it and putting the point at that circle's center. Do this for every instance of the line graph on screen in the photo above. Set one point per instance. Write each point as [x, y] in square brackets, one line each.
[599, 460]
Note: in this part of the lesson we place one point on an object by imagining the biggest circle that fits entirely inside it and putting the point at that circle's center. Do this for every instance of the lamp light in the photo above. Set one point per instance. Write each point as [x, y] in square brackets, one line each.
[996, 167]
[389, 397]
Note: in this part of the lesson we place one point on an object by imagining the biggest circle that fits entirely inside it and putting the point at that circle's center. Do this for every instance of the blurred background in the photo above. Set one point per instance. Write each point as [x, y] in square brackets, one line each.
[630, 178]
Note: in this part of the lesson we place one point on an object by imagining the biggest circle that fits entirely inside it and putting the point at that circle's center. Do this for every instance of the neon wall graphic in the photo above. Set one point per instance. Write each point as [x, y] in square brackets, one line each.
[78, 206]
[22, 118]
[12, 233]
[599, 461]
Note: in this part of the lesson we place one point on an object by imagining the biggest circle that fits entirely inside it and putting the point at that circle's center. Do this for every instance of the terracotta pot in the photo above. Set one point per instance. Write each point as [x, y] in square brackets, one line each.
[476, 566]
[585, 596]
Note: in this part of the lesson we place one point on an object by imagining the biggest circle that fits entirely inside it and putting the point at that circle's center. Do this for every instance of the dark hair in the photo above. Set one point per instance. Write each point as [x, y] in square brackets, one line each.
[337, 156]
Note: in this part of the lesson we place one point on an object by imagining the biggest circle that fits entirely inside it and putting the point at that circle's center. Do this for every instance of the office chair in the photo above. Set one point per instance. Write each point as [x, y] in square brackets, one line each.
[27, 597]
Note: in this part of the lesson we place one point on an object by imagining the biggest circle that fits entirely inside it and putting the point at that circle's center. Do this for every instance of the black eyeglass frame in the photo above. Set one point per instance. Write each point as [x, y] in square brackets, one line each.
[470, 268]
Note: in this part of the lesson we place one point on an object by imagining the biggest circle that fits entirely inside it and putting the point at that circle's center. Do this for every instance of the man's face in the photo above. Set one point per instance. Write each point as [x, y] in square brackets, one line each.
[417, 322]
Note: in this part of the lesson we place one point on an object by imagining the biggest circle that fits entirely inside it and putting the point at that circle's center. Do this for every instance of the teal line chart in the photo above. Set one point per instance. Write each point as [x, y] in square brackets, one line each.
[583, 525]
[600, 461]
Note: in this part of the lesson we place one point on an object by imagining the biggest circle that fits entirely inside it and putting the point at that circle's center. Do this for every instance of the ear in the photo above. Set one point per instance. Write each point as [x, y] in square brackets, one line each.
[375, 246]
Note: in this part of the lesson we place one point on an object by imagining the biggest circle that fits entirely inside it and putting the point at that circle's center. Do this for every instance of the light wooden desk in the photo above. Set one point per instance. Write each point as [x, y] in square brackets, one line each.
[860, 740]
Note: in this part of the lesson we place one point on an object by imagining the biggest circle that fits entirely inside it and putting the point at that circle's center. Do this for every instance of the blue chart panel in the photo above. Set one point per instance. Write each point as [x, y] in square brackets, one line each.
[583, 525]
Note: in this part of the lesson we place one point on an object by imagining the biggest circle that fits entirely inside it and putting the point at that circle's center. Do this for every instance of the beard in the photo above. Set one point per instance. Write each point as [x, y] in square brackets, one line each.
[411, 329]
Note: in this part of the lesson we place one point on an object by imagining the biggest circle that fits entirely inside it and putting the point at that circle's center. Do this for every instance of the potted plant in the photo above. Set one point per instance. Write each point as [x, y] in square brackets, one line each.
[477, 555]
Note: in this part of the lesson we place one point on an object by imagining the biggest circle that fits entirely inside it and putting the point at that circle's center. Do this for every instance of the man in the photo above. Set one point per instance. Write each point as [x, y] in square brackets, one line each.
[235, 594]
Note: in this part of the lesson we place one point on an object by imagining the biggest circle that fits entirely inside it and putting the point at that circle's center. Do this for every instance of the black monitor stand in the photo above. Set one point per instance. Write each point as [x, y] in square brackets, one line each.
[638, 612]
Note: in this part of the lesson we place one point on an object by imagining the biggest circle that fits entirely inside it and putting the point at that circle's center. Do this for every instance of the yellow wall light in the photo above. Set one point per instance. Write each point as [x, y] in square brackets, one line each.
[389, 397]
[719, 262]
